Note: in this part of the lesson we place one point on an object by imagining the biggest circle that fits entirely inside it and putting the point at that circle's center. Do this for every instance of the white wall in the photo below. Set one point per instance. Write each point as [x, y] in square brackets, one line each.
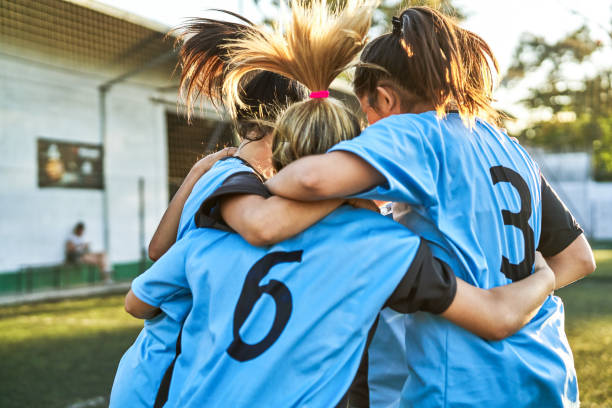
[591, 204]
[39, 101]
[601, 210]
[589, 201]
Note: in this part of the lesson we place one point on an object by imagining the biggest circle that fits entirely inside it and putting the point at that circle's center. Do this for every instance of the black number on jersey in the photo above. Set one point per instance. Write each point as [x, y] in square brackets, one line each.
[251, 292]
[519, 220]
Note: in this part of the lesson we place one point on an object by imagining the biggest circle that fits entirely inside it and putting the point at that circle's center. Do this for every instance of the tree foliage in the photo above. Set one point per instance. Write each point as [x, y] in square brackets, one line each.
[581, 108]
[386, 10]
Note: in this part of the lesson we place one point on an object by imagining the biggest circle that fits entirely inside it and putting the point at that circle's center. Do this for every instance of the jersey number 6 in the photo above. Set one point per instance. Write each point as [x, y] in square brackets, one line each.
[519, 220]
[251, 292]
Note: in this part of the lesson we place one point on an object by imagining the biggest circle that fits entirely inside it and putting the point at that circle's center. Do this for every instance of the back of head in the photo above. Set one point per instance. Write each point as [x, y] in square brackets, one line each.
[204, 59]
[265, 95]
[318, 43]
[429, 59]
[79, 228]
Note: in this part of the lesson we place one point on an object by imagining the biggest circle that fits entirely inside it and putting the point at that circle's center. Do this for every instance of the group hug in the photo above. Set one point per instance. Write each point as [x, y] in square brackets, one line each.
[407, 261]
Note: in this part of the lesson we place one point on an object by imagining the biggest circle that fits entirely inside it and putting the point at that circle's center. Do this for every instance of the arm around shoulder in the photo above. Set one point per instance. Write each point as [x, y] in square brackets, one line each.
[330, 175]
[499, 312]
[266, 221]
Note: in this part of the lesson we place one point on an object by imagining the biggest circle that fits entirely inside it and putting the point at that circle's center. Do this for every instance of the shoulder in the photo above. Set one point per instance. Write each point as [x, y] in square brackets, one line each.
[232, 163]
[404, 128]
[219, 172]
[366, 233]
[404, 123]
[362, 221]
[241, 182]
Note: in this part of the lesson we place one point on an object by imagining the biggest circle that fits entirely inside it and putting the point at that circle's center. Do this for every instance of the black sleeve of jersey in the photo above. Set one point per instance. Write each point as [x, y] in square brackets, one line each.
[209, 214]
[559, 228]
[429, 285]
[359, 392]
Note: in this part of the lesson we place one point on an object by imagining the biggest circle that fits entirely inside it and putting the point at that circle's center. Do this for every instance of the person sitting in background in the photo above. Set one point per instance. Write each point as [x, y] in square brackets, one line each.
[77, 251]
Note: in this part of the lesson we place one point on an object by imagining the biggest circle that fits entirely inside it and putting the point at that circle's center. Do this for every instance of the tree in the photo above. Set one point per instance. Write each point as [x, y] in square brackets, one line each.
[581, 109]
[386, 10]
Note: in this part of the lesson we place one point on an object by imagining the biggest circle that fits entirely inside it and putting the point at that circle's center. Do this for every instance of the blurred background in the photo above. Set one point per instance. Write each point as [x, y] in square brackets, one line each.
[91, 132]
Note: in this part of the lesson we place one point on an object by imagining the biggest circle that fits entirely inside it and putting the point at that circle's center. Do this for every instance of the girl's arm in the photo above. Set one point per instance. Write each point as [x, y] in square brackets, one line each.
[245, 204]
[138, 308]
[573, 263]
[165, 234]
[499, 312]
[265, 221]
[330, 175]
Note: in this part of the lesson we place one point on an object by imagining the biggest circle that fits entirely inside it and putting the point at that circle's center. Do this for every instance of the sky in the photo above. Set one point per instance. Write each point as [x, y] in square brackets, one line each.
[500, 23]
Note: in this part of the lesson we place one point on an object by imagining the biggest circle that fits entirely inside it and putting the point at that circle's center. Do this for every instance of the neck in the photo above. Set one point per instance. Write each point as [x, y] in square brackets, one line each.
[258, 154]
[419, 107]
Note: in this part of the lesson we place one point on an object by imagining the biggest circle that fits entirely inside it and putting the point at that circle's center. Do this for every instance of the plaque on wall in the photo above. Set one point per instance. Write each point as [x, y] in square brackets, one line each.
[69, 164]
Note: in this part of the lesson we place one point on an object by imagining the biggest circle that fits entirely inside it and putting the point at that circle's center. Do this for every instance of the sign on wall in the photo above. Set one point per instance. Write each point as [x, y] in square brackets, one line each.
[70, 165]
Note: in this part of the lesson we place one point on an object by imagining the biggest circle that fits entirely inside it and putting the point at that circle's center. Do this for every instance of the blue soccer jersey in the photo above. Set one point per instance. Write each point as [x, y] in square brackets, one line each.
[383, 370]
[475, 195]
[286, 325]
[386, 362]
[205, 186]
[144, 364]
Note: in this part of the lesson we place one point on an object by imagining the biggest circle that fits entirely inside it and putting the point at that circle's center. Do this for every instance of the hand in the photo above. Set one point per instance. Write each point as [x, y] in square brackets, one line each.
[362, 203]
[205, 163]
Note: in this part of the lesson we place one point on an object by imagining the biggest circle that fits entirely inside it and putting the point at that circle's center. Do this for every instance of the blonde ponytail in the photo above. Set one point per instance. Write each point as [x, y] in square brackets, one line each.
[318, 43]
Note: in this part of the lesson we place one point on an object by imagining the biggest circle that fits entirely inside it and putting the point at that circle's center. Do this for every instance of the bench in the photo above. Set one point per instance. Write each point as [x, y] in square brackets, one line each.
[57, 276]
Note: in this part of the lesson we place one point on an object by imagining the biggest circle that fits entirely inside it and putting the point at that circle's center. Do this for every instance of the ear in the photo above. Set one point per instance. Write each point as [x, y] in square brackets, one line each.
[387, 101]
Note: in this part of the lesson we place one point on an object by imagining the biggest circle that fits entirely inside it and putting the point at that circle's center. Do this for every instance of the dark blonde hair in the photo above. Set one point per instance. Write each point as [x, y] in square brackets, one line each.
[205, 64]
[433, 60]
[318, 43]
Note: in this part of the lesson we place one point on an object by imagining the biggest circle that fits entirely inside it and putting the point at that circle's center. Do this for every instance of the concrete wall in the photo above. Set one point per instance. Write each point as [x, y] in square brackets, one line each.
[591, 204]
[589, 201]
[39, 101]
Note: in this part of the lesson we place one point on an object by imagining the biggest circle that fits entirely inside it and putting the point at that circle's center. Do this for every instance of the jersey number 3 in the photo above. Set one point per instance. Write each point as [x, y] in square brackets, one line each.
[251, 292]
[519, 220]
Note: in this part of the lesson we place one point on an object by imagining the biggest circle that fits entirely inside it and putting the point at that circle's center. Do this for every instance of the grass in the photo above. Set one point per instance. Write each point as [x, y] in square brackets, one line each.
[588, 312]
[56, 354]
[60, 354]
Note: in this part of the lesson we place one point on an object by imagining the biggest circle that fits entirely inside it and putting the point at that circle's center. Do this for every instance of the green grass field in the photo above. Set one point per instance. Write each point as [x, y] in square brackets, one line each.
[588, 308]
[65, 353]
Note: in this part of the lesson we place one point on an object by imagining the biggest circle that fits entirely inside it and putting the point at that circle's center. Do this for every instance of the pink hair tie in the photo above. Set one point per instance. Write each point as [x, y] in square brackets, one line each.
[319, 94]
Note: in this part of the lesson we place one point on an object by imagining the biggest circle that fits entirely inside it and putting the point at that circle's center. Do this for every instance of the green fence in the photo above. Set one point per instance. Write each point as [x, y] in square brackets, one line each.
[63, 276]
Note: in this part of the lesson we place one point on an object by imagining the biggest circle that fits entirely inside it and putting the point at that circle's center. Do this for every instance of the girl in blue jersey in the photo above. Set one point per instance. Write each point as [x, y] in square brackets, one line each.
[491, 314]
[473, 193]
[142, 368]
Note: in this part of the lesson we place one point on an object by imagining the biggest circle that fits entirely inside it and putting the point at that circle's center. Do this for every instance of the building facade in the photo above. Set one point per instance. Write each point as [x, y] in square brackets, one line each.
[87, 110]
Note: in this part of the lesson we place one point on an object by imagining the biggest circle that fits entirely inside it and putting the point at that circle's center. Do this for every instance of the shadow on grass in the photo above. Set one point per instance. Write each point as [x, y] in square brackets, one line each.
[59, 372]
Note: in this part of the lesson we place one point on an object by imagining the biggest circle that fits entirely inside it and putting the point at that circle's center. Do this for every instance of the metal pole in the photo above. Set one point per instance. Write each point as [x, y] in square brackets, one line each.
[141, 222]
[102, 92]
